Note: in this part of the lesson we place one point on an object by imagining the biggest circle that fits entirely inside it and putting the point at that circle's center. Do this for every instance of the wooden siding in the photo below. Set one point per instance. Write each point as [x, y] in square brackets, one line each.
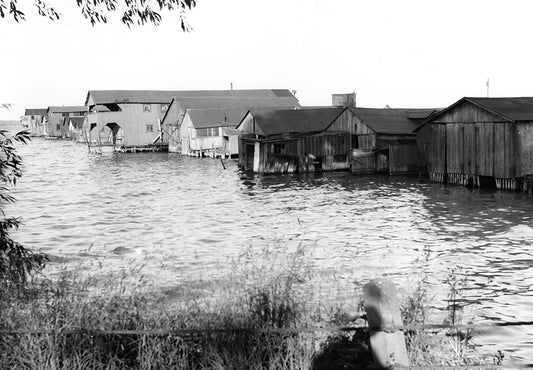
[346, 122]
[470, 149]
[467, 112]
[331, 152]
[325, 145]
[270, 162]
[133, 120]
[423, 136]
[485, 148]
[524, 149]
[402, 158]
[454, 148]
[366, 141]
[437, 149]
[504, 151]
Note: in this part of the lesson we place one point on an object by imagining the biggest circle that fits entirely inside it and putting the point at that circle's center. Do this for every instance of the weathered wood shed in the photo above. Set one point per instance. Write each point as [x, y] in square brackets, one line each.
[290, 141]
[385, 141]
[479, 141]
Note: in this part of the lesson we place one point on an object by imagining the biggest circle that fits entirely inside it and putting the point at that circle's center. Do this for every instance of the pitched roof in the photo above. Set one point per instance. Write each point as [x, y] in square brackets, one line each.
[517, 109]
[67, 109]
[165, 96]
[35, 111]
[203, 118]
[274, 122]
[240, 102]
[510, 109]
[390, 121]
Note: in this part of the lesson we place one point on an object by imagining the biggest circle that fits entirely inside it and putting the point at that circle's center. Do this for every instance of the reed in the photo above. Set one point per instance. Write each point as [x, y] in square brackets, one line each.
[265, 292]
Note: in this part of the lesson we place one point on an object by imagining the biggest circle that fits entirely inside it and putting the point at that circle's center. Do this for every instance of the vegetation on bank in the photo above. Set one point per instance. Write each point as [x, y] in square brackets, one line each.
[264, 293]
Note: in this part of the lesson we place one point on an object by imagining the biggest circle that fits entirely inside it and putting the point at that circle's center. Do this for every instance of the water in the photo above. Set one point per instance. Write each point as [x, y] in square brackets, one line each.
[179, 216]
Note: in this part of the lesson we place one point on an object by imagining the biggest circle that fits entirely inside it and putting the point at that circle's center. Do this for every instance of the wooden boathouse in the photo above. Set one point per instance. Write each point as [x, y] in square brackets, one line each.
[291, 141]
[384, 140]
[479, 142]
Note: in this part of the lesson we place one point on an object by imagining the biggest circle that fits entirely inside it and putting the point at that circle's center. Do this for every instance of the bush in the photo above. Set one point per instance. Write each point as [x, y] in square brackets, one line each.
[17, 263]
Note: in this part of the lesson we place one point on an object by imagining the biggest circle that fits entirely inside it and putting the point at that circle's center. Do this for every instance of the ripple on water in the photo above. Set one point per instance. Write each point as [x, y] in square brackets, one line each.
[181, 216]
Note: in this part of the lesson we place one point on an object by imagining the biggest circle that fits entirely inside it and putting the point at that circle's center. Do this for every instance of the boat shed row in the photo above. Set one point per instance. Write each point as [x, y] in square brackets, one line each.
[365, 140]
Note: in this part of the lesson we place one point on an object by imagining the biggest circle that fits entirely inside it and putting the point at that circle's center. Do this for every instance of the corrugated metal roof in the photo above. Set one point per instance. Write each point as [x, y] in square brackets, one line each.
[274, 122]
[517, 109]
[35, 111]
[165, 96]
[390, 121]
[67, 109]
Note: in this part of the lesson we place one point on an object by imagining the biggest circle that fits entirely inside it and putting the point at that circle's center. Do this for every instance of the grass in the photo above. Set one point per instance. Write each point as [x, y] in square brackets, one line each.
[266, 291]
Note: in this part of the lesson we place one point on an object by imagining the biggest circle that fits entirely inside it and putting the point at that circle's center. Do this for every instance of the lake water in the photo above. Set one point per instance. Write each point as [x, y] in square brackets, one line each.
[179, 216]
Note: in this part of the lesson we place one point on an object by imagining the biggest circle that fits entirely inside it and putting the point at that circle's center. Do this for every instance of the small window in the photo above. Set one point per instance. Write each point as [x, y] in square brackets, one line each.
[164, 108]
[58, 127]
[32, 117]
[149, 128]
[147, 108]
[278, 148]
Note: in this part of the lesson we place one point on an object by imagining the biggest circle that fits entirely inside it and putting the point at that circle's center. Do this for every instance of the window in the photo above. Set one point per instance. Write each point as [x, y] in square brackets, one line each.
[164, 108]
[278, 148]
[58, 127]
[147, 108]
[205, 132]
[149, 128]
[32, 117]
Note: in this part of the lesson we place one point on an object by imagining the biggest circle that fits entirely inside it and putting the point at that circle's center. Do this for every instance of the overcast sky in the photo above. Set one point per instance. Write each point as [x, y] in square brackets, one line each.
[390, 52]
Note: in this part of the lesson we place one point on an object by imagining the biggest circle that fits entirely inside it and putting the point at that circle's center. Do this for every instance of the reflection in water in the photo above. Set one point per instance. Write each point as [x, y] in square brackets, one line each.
[180, 216]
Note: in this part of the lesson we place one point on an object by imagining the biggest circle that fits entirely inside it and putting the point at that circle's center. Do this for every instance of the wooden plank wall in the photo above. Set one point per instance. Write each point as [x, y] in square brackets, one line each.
[367, 141]
[470, 149]
[346, 122]
[402, 158]
[365, 163]
[437, 149]
[423, 143]
[467, 113]
[454, 148]
[504, 150]
[325, 145]
[333, 150]
[270, 162]
[524, 149]
[485, 148]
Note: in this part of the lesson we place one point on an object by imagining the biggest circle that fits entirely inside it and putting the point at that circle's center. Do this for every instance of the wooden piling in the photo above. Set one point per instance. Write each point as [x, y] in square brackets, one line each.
[383, 315]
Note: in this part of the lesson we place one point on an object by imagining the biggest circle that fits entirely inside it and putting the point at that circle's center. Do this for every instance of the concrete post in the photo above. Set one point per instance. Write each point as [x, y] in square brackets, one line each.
[383, 314]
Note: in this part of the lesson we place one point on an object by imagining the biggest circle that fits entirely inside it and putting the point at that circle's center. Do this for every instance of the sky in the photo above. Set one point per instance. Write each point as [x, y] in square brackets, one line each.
[398, 53]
